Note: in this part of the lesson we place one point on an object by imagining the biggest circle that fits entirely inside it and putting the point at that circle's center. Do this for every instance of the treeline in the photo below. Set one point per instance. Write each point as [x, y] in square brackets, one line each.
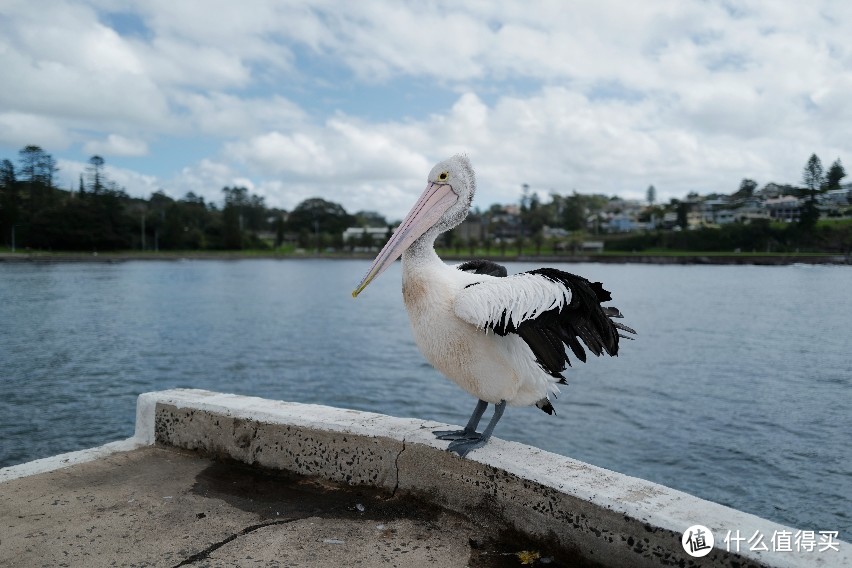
[99, 215]
[760, 235]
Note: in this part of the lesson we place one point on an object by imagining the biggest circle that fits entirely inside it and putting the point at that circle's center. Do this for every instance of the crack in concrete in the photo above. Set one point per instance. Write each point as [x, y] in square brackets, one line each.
[396, 465]
[217, 545]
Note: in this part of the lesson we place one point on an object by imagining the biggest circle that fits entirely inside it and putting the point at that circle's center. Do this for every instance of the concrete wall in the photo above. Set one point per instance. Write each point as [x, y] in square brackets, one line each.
[604, 516]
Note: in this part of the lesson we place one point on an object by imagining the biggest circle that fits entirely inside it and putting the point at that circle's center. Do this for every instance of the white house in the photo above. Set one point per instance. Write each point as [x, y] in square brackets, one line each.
[355, 235]
[784, 208]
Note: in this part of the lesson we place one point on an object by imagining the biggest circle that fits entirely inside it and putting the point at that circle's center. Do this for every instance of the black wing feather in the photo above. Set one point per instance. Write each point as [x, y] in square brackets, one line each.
[582, 320]
[484, 267]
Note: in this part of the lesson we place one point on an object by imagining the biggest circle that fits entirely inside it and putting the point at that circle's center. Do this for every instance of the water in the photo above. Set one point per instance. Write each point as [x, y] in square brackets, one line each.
[738, 389]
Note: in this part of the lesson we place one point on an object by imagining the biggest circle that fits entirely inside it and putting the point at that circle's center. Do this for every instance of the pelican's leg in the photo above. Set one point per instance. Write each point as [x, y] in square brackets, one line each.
[464, 445]
[469, 430]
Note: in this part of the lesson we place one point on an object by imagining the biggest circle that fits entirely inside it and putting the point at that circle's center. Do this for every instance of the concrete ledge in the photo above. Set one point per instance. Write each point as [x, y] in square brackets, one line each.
[144, 436]
[604, 516]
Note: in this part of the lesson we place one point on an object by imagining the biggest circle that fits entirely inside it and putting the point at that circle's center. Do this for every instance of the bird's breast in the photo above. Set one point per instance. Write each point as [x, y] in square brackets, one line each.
[441, 336]
[467, 356]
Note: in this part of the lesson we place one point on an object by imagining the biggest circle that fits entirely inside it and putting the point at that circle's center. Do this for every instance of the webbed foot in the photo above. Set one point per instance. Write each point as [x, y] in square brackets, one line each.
[454, 434]
[464, 446]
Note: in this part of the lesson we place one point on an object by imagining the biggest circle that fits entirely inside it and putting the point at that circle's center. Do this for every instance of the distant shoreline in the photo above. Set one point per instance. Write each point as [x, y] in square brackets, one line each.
[627, 258]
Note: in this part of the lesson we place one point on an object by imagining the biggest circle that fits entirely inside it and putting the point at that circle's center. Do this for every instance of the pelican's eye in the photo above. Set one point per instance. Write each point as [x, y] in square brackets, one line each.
[443, 176]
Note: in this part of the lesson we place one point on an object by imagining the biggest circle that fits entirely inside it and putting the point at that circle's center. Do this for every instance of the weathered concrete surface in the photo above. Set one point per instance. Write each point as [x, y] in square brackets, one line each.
[594, 513]
[164, 507]
[159, 507]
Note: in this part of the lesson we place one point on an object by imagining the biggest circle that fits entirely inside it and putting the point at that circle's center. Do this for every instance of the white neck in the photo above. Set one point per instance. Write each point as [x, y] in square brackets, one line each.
[422, 251]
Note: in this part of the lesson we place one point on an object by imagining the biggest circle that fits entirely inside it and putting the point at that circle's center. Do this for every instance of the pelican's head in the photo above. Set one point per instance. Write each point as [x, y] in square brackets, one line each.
[442, 205]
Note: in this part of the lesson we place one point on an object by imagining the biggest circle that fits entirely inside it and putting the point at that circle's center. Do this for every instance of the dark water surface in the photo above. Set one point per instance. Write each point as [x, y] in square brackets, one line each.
[738, 389]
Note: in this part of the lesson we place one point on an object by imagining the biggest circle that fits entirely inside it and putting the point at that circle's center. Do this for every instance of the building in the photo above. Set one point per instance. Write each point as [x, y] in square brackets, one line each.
[623, 223]
[752, 209]
[358, 237]
[784, 208]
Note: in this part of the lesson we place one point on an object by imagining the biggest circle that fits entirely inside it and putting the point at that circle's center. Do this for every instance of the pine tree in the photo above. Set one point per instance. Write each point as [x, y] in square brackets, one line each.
[834, 175]
[812, 176]
[96, 175]
[651, 194]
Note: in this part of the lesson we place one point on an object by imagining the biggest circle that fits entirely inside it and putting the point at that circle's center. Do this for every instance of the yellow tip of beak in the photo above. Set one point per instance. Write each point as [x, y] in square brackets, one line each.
[355, 293]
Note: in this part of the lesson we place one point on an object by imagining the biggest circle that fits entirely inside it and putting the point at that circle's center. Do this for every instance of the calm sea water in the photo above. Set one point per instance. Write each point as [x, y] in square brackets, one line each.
[738, 389]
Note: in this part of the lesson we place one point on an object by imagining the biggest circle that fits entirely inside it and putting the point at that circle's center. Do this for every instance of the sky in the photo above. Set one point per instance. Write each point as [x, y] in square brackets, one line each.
[355, 101]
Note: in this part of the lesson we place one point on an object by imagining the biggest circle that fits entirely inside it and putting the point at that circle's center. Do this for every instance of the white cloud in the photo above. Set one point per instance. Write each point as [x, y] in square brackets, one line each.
[116, 145]
[607, 96]
[20, 129]
[229, 116]
[343, 150]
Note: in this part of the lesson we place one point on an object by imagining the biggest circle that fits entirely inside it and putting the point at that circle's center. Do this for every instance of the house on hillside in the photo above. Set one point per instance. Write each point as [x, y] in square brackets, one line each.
[773, 190]
[835, 197]
[751, 209]
[784, 208]
[623, 223]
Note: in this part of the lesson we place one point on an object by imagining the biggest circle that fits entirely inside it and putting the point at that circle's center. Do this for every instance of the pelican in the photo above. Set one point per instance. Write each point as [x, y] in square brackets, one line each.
[500, 338]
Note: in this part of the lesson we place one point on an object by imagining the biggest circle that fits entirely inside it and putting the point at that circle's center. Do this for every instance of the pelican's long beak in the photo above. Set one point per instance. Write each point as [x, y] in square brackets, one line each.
[433, 203]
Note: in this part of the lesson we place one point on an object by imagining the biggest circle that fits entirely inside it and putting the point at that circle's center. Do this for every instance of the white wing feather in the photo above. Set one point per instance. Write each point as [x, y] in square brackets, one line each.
[522, 297]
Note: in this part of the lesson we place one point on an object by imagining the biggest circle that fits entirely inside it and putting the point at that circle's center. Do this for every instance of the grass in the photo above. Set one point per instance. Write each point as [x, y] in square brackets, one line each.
[835, 223]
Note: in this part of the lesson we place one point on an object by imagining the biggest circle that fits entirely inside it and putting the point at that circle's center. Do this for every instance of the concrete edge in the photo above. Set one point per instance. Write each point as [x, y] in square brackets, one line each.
[68, 459]
[143, 436]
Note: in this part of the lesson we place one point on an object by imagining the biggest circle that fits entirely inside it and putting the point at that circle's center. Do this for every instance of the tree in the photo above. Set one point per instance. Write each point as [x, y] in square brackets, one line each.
[331, 217]
[747, 187]
[7, 175]
[9, 200]
[651, 194]
[370, 219]
[525, 197]
[279, 230]
[536, 215]
[232, 234]
[36, 176]
[574, 212]
[812, 176]
[682, 214]
[835, 173]
[95, 173]
[365, 239]
[30, 156]
[236, 200]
